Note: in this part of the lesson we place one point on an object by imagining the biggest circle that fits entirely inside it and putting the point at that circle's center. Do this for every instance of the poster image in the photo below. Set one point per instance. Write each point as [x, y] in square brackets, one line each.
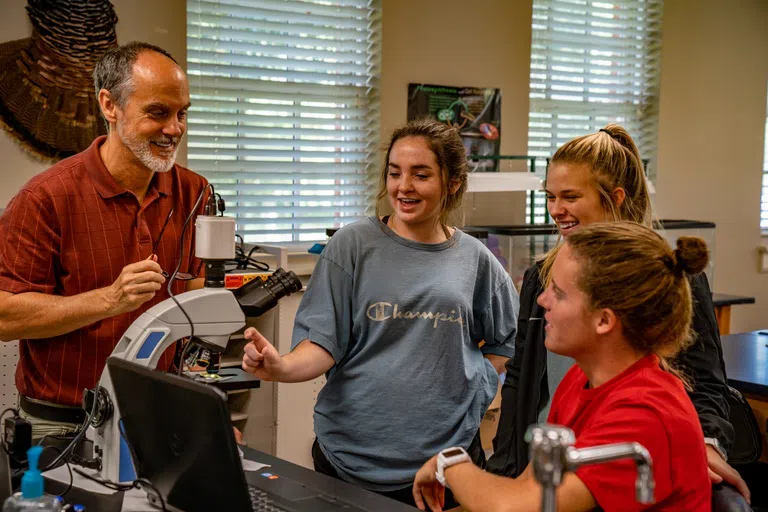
[474, 111]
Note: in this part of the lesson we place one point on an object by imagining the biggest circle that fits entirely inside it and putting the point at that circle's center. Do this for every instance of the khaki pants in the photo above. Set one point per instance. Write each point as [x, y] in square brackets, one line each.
[42, 428]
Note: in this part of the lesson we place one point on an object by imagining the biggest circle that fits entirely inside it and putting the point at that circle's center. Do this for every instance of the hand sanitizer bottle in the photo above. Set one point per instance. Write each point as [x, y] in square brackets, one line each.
[31, 497]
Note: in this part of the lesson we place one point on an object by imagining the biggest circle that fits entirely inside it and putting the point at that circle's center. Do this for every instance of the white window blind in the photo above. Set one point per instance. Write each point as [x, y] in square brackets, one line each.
[593, 63]
[285, 117]
[764, 201]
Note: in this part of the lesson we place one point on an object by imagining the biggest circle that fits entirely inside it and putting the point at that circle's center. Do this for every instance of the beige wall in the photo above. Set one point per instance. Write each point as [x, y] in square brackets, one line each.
[158, 22]
[711, 131]
[16, 166]
[483, 43]
[713, 94]
[430, 41]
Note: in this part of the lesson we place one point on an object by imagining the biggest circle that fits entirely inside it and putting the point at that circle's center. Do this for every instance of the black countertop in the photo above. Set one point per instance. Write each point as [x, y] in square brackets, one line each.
[551, 229]
[724, 299]
[294, 473]
[746, 361]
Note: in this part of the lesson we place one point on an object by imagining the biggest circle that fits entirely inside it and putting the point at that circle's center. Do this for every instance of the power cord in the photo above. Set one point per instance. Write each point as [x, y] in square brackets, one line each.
[17, 462]
[69, 468]
[136, 484]
[79, 437]
[74, 458]
[176, 271]
[132, 485]
[215, 206]
[16, 437]
[244, 261]
[14, 410]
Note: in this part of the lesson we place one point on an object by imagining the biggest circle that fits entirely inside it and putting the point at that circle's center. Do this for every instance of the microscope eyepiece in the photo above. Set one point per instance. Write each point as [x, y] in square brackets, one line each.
[256, 297]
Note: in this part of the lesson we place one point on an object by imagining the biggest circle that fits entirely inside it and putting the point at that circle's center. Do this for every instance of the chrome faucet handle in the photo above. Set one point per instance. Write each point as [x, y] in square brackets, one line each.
[549, 451]
[644, 484]
[552, 454]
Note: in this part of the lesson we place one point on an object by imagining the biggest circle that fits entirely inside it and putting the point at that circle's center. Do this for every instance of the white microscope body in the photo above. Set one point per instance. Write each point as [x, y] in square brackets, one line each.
[215, 312]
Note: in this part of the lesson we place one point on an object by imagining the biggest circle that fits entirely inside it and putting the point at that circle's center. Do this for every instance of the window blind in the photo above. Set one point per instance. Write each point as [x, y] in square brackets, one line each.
[764, 200]
[285, 111]
[593, 63]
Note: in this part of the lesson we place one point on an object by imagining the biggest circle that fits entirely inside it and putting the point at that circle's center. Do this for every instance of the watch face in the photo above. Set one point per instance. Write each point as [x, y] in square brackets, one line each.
[452, 452]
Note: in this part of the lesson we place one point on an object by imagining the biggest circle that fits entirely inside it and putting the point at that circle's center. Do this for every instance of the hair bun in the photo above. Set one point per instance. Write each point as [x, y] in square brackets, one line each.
[691, 255]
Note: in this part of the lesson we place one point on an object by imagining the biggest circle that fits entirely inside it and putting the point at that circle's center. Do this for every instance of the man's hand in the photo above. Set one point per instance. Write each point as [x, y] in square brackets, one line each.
[720, 471]
[261, 358]
[136, 284]
[427, 488]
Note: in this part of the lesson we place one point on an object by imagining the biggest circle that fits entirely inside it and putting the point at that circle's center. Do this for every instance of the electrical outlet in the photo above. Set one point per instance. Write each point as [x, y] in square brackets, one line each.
[762, 258]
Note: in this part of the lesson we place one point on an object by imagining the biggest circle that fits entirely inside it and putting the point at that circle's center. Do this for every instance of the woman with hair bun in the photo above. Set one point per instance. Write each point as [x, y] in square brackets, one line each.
[618, 301]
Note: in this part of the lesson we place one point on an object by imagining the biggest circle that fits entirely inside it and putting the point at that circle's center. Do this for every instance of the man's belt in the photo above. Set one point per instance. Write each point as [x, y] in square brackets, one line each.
[52, 412]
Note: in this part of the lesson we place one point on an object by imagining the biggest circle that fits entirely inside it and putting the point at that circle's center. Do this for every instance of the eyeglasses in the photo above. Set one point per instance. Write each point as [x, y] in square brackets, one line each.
[180, 276]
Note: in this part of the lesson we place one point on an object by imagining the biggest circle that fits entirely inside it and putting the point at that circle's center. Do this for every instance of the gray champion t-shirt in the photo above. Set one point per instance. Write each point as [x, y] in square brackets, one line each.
[403, 321]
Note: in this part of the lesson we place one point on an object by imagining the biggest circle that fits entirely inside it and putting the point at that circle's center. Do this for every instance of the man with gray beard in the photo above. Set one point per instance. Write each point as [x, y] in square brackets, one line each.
[80, 250]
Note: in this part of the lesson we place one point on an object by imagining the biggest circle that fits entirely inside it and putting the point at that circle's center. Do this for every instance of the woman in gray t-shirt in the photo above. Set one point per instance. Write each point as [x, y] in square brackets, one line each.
[409, 319]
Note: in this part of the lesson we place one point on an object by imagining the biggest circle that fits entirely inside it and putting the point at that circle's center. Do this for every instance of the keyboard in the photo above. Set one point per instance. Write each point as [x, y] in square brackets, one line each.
[262, 502]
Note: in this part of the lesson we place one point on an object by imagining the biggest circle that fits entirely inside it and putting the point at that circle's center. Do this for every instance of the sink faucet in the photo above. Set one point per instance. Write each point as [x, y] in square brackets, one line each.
[553, 454]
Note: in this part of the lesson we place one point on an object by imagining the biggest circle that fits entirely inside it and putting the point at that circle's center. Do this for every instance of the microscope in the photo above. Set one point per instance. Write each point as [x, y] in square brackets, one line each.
[553, 454]
[207, 317]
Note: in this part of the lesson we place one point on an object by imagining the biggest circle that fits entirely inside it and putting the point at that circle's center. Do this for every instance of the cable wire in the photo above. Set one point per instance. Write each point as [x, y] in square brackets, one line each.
[124, 487]
[176, 271]
[15, 413]
[79, 437]
[132, 485]
[69, 468]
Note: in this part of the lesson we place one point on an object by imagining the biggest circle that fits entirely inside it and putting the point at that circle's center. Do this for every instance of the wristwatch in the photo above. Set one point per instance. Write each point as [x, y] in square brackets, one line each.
[447, 458]
[714, 443]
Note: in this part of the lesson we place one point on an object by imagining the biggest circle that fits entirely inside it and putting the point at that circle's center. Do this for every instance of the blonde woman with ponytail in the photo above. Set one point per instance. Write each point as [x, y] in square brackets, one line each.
[596, 178]
[618, 301]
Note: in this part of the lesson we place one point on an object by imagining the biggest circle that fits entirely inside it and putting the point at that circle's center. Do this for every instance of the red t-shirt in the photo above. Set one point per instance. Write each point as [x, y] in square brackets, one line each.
[647, 405]
[71, 229]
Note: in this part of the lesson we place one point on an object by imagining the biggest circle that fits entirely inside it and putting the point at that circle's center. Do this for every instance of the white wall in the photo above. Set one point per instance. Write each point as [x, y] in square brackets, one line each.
[16, 166]
[483, 43]
[713, 97]
[711, 135]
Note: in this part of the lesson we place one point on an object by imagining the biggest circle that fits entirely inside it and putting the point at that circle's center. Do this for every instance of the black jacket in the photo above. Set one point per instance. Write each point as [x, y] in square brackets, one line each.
[525, 391]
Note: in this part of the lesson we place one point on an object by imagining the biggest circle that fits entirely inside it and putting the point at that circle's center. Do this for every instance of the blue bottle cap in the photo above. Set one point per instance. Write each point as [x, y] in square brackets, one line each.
[32, 481]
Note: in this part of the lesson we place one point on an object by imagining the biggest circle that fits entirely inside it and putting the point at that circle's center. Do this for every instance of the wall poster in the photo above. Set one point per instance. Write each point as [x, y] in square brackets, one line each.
[474, 111]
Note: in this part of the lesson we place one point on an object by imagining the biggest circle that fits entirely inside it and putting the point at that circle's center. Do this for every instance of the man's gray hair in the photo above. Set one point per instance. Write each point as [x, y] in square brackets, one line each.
[114, 71]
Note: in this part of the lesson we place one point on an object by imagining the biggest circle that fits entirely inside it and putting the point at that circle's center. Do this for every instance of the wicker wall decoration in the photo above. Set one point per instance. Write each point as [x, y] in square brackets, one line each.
[47, 101]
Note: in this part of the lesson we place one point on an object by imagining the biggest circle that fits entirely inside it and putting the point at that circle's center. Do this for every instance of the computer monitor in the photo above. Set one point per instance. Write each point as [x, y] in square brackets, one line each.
[181, 438]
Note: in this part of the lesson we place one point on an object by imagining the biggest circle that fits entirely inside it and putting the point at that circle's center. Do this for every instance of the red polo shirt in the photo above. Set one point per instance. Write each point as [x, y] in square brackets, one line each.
[72, 229]
[647, 405]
